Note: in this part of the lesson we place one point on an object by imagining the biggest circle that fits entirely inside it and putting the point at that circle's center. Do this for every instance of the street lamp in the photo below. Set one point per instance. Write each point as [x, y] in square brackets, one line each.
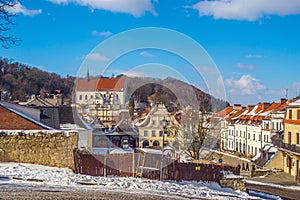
[164, 122]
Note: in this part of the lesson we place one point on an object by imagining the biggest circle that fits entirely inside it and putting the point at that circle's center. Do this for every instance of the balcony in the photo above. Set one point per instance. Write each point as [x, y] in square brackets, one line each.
[279, 143]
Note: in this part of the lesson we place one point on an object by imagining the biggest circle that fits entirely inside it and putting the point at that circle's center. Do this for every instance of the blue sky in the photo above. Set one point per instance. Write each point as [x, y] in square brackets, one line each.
[254, 44]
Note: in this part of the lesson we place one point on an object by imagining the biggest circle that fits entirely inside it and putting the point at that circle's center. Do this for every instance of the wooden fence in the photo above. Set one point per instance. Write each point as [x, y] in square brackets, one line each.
[124, 165]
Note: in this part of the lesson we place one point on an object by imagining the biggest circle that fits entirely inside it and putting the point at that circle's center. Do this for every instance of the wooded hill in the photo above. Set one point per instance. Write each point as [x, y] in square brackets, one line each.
[19, 81]
[171, 92]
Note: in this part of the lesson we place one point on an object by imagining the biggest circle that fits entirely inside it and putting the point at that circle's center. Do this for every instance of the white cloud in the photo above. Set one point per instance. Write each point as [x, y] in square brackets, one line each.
[147, 54]
[19, 8]
[135, 73]
[254, 56]
[136, 8]
[103, 33]
[96, 57]
[246, 85]
[250, 10]
[245, 66]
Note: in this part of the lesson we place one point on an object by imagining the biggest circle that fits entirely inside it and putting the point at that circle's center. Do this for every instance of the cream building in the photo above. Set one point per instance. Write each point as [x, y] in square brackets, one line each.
[291, 143]
[100, 98]
[151, 128]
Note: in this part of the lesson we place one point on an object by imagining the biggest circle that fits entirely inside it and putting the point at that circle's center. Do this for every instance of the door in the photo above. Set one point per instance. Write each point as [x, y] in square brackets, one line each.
[289, 164]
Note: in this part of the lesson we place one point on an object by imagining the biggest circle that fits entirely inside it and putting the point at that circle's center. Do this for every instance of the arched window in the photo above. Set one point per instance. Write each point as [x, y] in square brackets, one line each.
[156, 143]
[145, 144]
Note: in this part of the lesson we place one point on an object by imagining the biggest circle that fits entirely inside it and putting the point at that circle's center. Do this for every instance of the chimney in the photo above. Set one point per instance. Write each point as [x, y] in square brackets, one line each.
[250, 107]
[265, 105]
[237, 107]
[283, 100]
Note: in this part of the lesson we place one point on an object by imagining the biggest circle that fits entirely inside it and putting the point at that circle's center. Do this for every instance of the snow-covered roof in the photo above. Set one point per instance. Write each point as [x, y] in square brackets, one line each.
[295, 103]
[104, 151]
[151, 151]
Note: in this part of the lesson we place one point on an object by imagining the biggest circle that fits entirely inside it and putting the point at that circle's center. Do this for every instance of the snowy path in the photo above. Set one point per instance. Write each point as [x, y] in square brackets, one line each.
[22, 176]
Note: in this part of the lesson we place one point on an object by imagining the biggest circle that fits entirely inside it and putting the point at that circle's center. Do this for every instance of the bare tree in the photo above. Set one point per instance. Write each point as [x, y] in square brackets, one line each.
[5, 23]
[197, 138]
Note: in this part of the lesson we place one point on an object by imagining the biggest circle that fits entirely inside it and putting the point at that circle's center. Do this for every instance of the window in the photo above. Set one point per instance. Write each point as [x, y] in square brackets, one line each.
[80, 97]
[289, 137]
[254, 136]
[290, 113]
[259, 137]
[160, 133]
[297, 139]
[145, 133]
[92, 96]
[153, 122]
[153, 133]
[85, 97]
[249, 136]
[298, 114]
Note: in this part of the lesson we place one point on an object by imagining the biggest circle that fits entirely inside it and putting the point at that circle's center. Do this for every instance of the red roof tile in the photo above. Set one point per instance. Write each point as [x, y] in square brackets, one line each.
[225, 111]
[101, 84]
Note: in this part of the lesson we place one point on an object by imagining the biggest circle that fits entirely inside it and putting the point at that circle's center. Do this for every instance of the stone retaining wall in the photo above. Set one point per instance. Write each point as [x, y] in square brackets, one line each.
[52, 148]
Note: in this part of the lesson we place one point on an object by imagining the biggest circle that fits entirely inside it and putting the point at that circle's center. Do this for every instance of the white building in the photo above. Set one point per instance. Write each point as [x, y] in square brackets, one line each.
[246, 131]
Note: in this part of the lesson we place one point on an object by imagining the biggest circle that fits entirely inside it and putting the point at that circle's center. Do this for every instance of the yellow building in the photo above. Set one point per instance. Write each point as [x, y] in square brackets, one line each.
[151, 128]
[291, 143]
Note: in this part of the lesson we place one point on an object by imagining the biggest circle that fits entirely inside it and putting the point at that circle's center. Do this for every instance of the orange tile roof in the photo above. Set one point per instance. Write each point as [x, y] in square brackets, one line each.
[236, 114]
[85, 85]
[111, 84]
[101, 84]
[225, 111]
[273, 106]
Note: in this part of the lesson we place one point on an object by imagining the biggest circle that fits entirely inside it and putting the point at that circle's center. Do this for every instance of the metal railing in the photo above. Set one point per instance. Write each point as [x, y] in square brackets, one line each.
[279, 143]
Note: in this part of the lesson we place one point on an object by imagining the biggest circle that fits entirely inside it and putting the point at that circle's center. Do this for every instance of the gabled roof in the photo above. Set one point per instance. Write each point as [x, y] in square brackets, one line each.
[235, 114]
[225, 111]
[101, 84]
[294, 104]
[14, 123]
[37, 101]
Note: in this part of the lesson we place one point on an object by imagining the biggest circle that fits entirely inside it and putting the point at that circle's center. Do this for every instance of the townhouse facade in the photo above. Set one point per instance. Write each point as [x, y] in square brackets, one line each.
[291, 142]
[151, 128]
[247, 130]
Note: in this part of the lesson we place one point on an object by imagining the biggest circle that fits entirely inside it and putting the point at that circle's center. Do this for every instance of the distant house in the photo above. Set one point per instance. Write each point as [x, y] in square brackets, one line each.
[69, 120]
[48, 112]
[100, 91]
[101, 98]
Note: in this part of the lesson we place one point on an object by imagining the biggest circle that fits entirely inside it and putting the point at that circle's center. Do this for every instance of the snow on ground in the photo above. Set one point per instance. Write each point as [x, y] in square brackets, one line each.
[16, 174]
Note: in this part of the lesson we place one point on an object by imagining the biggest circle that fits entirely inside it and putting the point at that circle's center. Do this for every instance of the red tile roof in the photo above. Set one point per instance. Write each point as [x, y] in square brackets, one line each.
[225, 111]
[101, 84]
